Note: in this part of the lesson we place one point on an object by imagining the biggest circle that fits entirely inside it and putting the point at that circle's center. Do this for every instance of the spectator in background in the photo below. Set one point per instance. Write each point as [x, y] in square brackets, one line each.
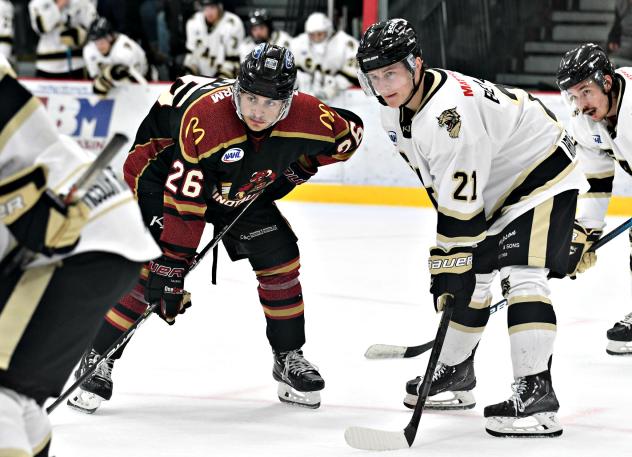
[325, 59]
[6, 28]
[113, 58]
[620, 36]
[213, 39]
[62, 26]
[261, 30]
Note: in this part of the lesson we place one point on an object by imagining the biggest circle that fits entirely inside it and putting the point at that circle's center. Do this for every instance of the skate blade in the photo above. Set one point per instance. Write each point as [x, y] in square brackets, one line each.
[619, 347]
[540, 425]
[445, 401]
[85, 402]
[293, 397]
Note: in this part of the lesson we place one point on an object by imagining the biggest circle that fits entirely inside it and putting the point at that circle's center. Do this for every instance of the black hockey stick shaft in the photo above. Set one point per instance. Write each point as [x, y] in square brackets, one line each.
[411, 429]
[414, 351]
[122, 339]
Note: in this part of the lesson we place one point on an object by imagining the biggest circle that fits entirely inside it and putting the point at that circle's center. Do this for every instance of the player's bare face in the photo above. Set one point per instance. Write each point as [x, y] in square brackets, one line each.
[103, 45]
[317, 37]
[260, 33]
[259, 112]
[211, 14]
[589, 98]
[394, 83]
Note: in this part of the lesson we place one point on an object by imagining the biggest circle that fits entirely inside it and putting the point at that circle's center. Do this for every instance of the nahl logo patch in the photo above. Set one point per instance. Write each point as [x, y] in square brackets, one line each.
[233, 155]
[451, 120]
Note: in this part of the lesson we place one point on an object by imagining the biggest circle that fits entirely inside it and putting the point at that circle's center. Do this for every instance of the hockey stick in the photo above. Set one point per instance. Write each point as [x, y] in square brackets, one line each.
[381, 440]
[123, 338]
[24, 255]
[388, 351]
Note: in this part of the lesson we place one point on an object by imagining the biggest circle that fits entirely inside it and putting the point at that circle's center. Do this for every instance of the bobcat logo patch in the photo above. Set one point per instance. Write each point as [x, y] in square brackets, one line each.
[451, 120]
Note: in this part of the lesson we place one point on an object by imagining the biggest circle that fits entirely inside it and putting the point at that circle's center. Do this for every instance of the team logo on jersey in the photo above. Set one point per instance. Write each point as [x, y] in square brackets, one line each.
[451, 120]
[393, 136]
[256, 52]
[233, 155]
[597, 139]
[289, 60]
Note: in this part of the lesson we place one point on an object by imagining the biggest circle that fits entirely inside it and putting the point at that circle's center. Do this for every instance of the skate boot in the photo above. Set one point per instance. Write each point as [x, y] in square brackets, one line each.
[299, 380]
[620, 337]
[529, 412]
[94, 389]
[450, 389]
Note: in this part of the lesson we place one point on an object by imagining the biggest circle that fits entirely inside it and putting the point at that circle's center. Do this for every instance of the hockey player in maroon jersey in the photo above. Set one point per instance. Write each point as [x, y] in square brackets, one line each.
[207, 147]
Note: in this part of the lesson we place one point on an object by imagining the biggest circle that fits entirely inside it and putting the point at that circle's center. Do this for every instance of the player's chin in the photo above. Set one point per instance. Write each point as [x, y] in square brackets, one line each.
[392, 100]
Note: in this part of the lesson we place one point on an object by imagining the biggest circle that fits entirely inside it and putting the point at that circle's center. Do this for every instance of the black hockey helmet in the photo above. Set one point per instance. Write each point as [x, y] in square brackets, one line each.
[386, 43]
[260, 17]
[268, 71]
[203, 3]
[100, 28]
[583, 62]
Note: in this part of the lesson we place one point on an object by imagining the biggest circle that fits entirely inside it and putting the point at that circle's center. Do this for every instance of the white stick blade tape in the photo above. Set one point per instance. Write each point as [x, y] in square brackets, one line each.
[375, 440]
[385, 351]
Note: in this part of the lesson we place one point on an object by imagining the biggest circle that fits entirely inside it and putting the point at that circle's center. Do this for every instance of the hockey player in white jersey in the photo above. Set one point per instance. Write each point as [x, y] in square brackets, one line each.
[112, 58]
[6, 28]
[87, 254]
[62, 26]
[213, 39]
[502, 175]
[601, 123]
[262, 30]
[326, 60]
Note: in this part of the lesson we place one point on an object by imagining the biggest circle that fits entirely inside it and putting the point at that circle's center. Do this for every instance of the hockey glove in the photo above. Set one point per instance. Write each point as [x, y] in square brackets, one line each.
[165, 286]
[292, 176]
[580, 260]
[73, 37]
[36, 217]
[451, 274]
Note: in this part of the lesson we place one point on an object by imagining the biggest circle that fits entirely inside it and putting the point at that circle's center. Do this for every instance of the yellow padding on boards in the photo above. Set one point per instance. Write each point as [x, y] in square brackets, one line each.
[398, 196]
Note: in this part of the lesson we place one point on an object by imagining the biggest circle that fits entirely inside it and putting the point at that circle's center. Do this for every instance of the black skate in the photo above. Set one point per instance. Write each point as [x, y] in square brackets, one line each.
[96, 388]
[529, 412]
[450, 389]
[620, 337]
[299, 380]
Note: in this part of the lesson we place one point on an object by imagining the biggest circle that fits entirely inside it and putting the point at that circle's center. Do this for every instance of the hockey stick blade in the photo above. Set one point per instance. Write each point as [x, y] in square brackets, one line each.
[370, 439]
[380, 440]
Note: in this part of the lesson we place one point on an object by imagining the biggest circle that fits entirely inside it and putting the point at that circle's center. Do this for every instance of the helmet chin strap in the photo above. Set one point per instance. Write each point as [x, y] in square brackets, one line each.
[416, 86]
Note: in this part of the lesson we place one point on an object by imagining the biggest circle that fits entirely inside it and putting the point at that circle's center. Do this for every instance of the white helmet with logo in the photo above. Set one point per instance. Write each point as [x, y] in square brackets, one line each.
[318, 22]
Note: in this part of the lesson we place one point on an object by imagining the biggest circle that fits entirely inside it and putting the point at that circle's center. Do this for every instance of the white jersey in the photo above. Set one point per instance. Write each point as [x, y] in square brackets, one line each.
[327, 68]
[29, 137]
[277, 37]
[53, 56]
[124, 51]
[485, 154]
[599, 149]
[214, 50]
[6, 28]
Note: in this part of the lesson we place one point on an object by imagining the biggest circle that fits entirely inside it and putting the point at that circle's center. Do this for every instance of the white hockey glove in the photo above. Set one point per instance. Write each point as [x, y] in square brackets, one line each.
[579, 259]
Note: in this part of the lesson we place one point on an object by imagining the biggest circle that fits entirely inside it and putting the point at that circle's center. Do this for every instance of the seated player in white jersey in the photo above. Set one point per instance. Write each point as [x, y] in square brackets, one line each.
[601, 123]
[262, 30]
[113, 59]
[60, 263]
[505, 200]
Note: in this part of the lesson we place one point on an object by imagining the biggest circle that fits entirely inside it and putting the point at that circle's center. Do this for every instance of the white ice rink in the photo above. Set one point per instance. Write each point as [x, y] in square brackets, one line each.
[204, 387]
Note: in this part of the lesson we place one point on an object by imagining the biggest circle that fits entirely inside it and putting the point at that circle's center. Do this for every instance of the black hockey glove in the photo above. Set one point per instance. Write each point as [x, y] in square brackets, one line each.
[73, 37]
[292, 176]
[36, 217]
[580, 259]
[451, 274]
[165, 285]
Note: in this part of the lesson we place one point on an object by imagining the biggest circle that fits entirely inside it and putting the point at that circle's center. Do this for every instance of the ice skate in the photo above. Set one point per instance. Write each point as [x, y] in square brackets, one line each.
[299, 380]
[620, 337]
[95, 389]
[450, 389]
[529, 412]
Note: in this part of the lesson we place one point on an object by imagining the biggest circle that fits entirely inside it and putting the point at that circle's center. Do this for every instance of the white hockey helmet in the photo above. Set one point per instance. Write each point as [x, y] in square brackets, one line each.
[318, 22]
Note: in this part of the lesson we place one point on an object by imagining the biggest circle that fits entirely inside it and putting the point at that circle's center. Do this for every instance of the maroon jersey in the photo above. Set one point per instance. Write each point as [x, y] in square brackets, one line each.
[194, 149]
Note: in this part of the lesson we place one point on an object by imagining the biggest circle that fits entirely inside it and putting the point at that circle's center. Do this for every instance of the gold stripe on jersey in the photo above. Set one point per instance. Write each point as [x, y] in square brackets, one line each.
[550, 170]
[307, 136]
[532, 326]
[528, 299]
[210, 152]
[151, 160]
[19, 309]
[185, 207]
[539, 233]
[431, 82]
